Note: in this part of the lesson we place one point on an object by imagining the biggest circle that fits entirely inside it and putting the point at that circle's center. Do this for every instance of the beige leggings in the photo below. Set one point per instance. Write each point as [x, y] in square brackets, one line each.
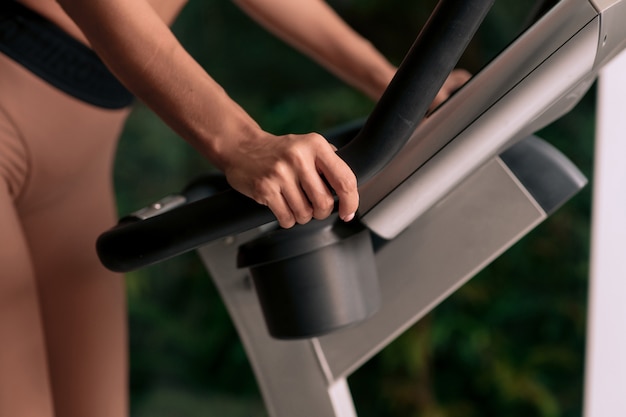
[63, 336]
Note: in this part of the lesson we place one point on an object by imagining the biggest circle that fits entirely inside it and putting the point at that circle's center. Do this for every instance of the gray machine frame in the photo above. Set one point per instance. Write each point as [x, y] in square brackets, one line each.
[444, 219]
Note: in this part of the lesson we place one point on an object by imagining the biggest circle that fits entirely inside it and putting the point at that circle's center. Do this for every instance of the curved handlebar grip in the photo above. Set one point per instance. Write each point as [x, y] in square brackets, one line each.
[430, 60]
[420, 76]
[137, 243]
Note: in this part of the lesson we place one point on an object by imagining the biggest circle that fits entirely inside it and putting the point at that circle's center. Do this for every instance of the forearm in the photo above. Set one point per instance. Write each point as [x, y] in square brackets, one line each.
[147, 58]
[314, 28]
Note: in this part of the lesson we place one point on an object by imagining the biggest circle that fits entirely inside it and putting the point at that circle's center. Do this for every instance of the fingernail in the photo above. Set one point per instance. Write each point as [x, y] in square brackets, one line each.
[348, 217]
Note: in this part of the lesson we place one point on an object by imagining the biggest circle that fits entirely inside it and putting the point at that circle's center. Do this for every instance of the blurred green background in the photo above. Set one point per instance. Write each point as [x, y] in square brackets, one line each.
[510, 342]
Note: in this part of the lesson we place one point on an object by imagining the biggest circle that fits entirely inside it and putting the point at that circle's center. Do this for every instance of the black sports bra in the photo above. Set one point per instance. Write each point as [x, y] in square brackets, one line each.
[59, 59]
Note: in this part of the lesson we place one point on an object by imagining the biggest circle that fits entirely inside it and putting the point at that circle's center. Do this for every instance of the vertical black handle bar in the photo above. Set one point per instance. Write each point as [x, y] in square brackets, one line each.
[419, 78]
[430, 60]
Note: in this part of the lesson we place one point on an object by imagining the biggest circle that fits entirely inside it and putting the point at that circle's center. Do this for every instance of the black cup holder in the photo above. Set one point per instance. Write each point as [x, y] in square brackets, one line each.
[313, 279]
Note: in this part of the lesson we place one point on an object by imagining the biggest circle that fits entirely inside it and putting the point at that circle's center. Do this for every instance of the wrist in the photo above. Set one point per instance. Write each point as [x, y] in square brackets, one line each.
[223, 147]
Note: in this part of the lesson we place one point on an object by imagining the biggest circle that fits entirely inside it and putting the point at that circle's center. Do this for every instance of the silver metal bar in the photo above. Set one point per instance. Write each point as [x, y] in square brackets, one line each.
[605, 379]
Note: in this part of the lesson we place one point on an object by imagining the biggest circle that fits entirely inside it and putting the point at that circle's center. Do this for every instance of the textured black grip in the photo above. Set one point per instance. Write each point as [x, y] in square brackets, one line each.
[138, 243]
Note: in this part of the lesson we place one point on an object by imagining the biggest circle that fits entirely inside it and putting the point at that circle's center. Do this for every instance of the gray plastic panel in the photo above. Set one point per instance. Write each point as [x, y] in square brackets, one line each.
[395, 201]
[545, 172]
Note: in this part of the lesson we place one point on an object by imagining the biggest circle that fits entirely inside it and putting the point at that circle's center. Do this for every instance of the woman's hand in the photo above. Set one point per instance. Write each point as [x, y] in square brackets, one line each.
[289, 174]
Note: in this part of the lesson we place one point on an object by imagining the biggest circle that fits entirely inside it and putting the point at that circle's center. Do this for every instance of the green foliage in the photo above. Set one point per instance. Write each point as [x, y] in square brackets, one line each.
[510, 342]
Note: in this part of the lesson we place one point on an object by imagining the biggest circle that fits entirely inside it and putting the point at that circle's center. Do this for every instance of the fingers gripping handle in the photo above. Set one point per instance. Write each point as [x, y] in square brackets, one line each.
[432, 57]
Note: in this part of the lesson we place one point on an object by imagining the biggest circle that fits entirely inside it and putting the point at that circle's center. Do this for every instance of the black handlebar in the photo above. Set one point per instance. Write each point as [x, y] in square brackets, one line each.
[419, 78]
[433, 56]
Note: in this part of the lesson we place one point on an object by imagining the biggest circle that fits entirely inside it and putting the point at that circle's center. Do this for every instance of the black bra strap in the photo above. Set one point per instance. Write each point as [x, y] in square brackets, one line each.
[57, 58]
